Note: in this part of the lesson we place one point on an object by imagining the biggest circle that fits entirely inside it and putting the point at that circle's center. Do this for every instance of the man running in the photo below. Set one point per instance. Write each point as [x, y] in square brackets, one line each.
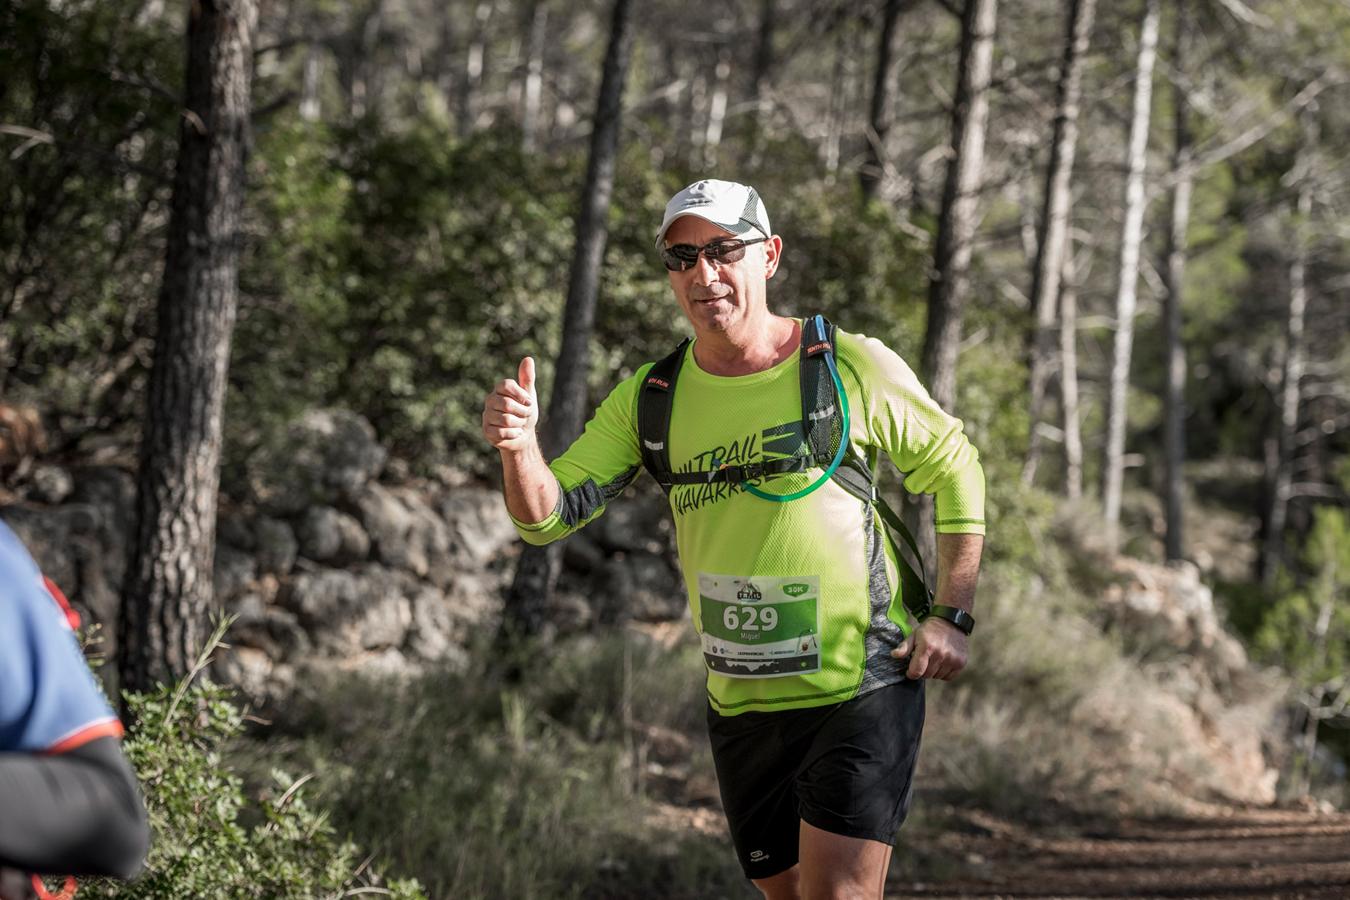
[815, 690]
[69, 801]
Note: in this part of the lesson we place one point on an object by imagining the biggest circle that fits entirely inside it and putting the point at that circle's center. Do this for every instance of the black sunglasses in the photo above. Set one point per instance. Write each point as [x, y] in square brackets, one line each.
[683, 257]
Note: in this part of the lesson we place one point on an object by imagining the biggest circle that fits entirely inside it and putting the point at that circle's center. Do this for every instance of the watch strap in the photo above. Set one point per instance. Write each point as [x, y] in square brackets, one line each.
[957, 616]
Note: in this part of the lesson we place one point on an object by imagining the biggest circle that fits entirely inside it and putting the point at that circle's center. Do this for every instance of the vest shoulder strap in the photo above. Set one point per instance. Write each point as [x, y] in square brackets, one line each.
[656, 398]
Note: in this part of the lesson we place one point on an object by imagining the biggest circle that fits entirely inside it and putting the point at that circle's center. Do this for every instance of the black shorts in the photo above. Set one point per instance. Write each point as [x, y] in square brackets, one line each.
[847, 768]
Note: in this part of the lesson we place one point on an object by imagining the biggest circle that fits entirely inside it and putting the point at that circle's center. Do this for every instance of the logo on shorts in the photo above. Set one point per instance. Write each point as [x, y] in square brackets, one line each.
[758, 855]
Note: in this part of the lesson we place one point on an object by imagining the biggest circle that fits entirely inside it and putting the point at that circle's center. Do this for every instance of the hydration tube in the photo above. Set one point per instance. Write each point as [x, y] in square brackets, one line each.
[838, 456]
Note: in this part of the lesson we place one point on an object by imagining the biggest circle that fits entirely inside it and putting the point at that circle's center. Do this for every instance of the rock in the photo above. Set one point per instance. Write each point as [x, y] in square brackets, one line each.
[641, 586]
[344, 611]
[404, 532]
[324, 456]
[276, 546]
[235, 570]
[233, 529]
[433, 626]
[640, 522]
[480, 529]
[50, 484]
[330, 536]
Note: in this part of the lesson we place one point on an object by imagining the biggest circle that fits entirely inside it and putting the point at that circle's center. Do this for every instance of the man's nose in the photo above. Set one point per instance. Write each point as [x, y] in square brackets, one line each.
[705, 271]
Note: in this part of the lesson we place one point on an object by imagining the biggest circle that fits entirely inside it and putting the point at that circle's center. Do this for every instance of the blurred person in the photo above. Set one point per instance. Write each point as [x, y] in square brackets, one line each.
[69, 800]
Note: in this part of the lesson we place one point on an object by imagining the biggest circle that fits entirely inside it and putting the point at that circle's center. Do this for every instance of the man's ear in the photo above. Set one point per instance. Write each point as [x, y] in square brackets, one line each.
[773, 251]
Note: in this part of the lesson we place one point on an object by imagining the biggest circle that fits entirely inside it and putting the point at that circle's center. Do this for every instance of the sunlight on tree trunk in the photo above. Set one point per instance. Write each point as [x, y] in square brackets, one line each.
[1131, 238]
[1054, 222]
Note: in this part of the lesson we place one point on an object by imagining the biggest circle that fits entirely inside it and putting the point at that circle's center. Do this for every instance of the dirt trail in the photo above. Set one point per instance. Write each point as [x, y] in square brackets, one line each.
[1221, 853]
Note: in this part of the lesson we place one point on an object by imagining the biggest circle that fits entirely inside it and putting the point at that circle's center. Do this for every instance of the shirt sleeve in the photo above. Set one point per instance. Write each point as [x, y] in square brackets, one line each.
[926, 444]
[49, 700]
[596, 468]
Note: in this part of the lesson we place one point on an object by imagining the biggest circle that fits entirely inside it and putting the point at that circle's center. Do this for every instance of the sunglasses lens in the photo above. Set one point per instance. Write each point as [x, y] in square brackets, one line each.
[725, 251]
[680, 257]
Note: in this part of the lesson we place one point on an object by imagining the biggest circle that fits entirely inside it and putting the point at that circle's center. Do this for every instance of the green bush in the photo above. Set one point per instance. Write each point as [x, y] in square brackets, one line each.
[209, 838]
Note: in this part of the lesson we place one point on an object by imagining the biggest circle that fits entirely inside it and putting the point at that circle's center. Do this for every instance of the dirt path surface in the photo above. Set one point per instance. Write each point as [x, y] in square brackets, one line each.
[1221, 853]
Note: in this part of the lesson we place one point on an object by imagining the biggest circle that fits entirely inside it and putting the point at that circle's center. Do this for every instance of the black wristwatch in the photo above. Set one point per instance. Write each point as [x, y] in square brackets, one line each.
[958, 617]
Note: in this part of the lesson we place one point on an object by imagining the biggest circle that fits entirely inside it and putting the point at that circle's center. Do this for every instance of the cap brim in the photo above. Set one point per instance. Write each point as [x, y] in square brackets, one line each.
[738, 228]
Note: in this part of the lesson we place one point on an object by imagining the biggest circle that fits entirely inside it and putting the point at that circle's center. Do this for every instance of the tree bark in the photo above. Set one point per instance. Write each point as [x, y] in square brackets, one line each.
[1174, 399]
[534, 77]
[1068, 376]
[167, 597]
[1290, 398]
[1054, 223]
[475, 64]
[717, 108]
[759, 79]
[956, 224]
[1113, 467]
[527, 602]
[883, 98]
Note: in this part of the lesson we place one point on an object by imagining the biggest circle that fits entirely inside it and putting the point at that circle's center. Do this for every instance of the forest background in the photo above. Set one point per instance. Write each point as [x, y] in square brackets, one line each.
[1112, 238]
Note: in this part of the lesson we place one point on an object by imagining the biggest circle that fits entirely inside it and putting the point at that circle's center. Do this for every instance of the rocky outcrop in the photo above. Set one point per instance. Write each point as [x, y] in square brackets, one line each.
[1210, 699]
[327, 568]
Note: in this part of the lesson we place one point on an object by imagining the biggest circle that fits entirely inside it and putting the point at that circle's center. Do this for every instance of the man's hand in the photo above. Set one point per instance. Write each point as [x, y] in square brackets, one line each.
[511, 411]
[940, 650]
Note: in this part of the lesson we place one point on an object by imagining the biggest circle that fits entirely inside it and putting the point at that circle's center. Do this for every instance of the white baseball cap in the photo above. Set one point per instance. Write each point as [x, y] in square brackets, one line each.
[726, 204]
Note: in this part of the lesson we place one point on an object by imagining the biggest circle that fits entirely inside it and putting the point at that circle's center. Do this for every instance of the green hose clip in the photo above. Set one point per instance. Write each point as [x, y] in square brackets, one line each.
[838, 456]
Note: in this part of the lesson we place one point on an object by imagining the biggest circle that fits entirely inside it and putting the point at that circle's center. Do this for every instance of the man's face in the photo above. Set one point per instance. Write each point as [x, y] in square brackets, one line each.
[717, 297]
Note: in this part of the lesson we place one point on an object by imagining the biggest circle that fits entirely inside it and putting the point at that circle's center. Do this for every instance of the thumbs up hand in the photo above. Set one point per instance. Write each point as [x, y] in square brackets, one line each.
[511, 411]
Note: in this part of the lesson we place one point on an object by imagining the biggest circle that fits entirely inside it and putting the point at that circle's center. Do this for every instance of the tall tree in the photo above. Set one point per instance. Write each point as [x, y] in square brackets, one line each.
[532, 95]
[1054, 224]
[537, 572]
[167, 595]
[759, 77]
[956, 224]
[1280, 474]
[1131, 238]
[883, 99]
[1174, 270]
[1068, 376]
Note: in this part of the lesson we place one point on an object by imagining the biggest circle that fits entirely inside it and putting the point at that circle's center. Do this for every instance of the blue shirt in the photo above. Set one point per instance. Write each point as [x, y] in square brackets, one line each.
[49, 700]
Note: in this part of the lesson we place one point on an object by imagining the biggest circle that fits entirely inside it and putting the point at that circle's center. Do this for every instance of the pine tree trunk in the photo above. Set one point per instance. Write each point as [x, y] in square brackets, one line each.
[759, 80]
[883, 98]
[537, 574]
[1290, 398]
[534, 77]
[1131, 238]
[475, 65]
[956, 225]
[1054, 224]
[167, 595]
[1174, 400]
[717, 108]
[1068, 376]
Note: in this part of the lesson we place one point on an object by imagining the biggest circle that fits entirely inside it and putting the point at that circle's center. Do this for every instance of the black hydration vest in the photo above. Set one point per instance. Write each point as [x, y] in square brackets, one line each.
[821, 419]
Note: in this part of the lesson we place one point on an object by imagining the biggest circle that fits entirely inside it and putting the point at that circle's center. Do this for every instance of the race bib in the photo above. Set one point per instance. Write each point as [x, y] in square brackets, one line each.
[756, 627]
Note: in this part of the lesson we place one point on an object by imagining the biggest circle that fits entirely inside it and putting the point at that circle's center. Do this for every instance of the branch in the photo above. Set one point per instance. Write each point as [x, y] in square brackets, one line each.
[1245, 14]
[1247, 138]
[34, 138]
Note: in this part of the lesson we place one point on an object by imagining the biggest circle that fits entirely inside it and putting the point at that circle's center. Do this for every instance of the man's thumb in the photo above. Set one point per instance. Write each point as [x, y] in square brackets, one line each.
[905, 646]
[526, 374]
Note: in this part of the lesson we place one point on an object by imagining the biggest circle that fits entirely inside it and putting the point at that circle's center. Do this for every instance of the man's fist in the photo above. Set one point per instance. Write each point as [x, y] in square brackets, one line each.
[939, 649]
[511, 411]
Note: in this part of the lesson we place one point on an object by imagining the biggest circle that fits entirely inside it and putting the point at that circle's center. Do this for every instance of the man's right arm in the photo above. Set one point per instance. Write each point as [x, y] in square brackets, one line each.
[548, 502]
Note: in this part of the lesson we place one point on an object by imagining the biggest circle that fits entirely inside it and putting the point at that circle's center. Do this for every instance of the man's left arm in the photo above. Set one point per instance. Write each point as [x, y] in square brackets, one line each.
[940, 649]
